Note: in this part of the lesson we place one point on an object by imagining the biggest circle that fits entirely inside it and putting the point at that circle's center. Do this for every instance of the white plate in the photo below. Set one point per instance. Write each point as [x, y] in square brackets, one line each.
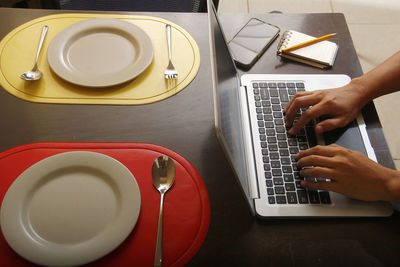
[100, 52]
[70, 209]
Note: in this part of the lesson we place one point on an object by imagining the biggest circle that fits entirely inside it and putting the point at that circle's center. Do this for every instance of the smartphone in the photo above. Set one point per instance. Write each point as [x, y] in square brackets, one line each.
[251, 41]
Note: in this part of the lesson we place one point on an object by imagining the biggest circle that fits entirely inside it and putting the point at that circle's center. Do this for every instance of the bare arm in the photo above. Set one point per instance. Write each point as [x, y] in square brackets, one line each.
[342, 104]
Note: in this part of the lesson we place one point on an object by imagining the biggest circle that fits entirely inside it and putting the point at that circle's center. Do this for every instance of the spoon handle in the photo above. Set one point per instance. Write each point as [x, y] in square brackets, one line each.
[42, 36]
[158, 254]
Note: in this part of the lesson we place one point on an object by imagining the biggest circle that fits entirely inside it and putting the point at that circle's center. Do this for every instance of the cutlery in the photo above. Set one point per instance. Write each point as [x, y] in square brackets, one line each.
[163, 175]
[170, 73]
[35, 73]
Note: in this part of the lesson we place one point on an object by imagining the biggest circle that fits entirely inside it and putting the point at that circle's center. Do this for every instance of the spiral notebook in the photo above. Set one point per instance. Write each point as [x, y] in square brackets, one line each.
[321, 55]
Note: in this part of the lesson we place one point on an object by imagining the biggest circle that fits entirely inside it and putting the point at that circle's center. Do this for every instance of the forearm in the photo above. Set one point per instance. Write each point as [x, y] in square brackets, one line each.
[393, 186]
[384, 79]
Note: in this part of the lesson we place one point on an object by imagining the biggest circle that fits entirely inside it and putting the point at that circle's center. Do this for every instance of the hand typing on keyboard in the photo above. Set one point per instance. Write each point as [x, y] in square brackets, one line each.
[350, 172]
[341, 105]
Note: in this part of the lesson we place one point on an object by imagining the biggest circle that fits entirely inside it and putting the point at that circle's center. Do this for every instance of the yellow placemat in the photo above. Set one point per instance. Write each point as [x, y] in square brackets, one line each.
[18, 50]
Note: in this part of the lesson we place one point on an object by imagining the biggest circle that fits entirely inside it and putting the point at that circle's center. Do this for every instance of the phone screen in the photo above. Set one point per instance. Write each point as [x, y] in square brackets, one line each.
[252, 41]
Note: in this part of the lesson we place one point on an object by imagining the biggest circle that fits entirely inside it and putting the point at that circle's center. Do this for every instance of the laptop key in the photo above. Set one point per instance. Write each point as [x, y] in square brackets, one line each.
[285, 161]
[303, 146]
[275, 101]
[292, 91]
[291, 197]
[324, 196]
[270, 191]
[273, 93]
[283, 95]
[287, 169]
[281, 85]
[275, 164]
[302, 196]
[281, 199]
[293, 150]
[268, 117]
[290, 187]
[267, 167]
[266, 103]
[269, 183]
[276, 172]
[264, 94]
[284, 152]
[271, 200]
[288, 177]
[281, 136]
[312, 138]
[270, 132]
[274, 155]
[279, 190]
[290, 85]
[313, 196]
[278, 181]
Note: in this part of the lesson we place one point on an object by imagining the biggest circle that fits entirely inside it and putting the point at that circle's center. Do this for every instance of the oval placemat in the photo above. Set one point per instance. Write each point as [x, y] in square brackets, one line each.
[18, 49]
[186, 205]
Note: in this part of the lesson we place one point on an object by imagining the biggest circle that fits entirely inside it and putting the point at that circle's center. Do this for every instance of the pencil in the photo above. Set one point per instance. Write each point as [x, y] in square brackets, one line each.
[307, 43]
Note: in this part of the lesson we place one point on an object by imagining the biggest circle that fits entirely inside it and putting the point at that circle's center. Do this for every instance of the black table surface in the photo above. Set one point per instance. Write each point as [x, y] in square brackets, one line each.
[185, 124]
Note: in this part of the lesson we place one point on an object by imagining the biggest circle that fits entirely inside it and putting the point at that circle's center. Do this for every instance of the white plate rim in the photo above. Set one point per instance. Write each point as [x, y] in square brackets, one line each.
[60, 66]
[44, 253]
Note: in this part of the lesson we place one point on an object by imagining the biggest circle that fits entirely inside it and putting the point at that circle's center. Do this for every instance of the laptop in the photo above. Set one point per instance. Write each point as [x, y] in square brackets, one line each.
[250, 127]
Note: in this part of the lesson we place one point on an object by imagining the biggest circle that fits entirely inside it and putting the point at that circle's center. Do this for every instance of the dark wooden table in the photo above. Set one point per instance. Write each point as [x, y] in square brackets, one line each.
[184, 123]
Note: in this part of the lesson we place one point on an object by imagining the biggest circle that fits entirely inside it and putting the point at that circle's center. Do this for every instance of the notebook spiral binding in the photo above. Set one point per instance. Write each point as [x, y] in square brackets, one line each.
[284, 41]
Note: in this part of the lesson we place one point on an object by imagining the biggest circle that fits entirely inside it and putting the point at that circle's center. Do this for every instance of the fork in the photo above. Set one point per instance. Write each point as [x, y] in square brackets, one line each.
[170, 72]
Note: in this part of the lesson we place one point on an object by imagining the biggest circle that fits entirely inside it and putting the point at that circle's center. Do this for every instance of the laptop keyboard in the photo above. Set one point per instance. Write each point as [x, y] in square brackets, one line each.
[279, 149]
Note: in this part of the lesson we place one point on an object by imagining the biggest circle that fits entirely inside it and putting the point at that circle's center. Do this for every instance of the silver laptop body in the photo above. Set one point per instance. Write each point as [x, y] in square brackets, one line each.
[237, 130]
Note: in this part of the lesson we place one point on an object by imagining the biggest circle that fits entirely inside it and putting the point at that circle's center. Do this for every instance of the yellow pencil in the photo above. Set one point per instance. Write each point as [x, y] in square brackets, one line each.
[307, 43]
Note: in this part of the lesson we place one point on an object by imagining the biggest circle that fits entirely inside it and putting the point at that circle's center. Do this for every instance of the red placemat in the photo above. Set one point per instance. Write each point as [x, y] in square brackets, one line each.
[186, 205]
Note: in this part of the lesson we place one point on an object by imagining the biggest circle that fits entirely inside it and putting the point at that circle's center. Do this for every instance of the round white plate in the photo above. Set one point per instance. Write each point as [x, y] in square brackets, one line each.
[100, 52]
[70, 209]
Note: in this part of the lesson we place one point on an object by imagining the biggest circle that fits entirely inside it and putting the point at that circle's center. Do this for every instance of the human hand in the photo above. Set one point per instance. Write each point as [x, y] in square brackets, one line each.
[340, 104]
[351, 173]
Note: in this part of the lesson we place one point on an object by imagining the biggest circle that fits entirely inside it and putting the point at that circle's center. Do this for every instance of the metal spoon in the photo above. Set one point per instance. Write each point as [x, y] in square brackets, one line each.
[163, 175]
[35, 73]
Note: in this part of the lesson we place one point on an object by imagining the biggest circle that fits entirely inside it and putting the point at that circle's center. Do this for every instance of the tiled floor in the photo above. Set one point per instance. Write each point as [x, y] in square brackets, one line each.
[375, 29]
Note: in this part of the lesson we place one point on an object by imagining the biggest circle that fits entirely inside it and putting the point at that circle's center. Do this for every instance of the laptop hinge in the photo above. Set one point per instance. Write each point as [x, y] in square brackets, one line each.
[249, 149]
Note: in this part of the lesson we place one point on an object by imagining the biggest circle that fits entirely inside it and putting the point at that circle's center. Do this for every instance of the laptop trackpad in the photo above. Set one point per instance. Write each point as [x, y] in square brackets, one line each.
[349, 137]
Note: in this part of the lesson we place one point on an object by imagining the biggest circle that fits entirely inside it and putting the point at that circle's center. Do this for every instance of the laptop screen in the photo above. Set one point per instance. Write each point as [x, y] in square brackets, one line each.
[227, 110]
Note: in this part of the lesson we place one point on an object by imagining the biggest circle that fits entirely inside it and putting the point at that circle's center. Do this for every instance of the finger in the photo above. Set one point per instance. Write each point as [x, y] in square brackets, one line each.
[317, 172]
[330, 124]
[328, 186]
[297, 95]
[297, 103]
[326, 151]
[308, 115]
[316, 160]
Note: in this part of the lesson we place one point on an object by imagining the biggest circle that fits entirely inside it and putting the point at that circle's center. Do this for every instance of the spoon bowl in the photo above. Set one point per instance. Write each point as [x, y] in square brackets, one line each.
[163, 175]
[35, 73]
